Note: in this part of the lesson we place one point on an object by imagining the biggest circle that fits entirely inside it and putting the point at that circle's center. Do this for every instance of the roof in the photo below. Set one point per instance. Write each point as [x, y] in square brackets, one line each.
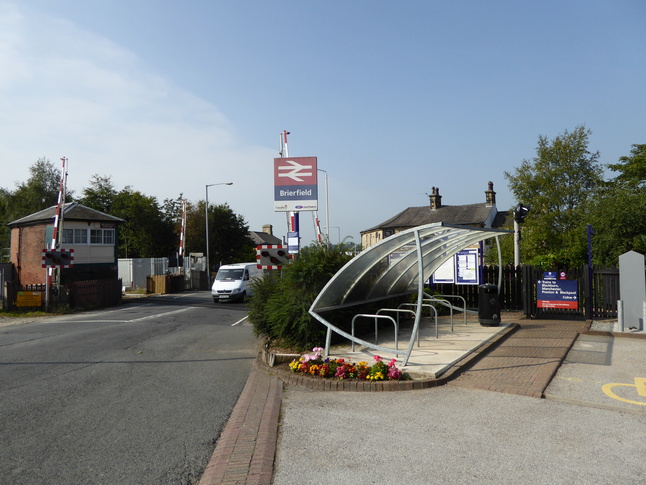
[73, 211]
[465, 215]
[261, 237]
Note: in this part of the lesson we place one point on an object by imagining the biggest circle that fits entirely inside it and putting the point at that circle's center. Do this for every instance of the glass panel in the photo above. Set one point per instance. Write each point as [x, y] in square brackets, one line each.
[108, 236]
[96, 236]
[80, 236]
[229, 274]
[68, 236]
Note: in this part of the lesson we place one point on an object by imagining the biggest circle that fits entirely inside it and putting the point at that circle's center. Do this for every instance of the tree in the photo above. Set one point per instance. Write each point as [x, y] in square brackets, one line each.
[149, 231]
[100, 195]
[632, 169]
[229, 240]
[618, 212]
[145, 233]
[557, 184]
[38, 193]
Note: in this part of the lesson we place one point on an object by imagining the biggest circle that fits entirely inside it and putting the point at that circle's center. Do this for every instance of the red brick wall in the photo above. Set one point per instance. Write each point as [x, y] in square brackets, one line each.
[27, 245]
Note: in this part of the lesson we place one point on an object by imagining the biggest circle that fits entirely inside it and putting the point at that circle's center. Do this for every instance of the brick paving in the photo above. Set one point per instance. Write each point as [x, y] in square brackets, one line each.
[245, 451]
[526, 361]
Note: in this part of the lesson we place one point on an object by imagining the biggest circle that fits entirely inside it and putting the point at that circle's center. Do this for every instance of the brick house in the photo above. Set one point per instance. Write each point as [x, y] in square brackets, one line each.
[481, 215]
[93, 236]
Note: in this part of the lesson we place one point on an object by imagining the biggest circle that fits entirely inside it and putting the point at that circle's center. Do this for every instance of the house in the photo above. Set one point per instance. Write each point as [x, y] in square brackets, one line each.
[93, 236]
[266, 236]
[481, 215]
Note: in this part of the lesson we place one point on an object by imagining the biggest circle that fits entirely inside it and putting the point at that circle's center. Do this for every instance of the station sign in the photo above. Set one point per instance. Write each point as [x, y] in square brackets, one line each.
[295, 184]
[561, 294]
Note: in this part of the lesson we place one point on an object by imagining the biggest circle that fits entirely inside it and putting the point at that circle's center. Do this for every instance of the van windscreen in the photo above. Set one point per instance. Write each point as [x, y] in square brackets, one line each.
[229, 274]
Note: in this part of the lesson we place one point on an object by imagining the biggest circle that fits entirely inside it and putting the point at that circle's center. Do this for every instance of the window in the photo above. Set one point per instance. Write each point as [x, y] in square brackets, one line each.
[102, 236]
[68, 236]
[96, 236]
[74, 236]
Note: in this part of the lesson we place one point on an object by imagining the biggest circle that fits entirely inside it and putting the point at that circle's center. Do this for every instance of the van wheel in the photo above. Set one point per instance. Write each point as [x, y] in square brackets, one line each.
[216, 300]
[244, 296]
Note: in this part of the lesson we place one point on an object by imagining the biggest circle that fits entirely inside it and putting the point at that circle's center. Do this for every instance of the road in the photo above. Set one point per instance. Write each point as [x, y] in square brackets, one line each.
[133, 394]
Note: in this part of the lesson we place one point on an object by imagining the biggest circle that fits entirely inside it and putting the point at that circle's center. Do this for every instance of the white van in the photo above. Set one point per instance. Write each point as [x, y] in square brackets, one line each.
[233, 281]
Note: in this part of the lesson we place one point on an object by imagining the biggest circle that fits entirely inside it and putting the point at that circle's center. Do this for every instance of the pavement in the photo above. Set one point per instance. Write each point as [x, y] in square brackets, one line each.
[558, 360]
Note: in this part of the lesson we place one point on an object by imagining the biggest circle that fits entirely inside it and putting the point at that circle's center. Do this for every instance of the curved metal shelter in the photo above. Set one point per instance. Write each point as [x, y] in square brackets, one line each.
[397, 266]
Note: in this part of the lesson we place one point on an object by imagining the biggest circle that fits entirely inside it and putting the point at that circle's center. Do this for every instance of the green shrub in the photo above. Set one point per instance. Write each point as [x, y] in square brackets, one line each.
[279, 307]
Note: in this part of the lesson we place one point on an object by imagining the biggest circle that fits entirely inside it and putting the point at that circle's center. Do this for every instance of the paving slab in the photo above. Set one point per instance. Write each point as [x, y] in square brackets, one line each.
[603, 371]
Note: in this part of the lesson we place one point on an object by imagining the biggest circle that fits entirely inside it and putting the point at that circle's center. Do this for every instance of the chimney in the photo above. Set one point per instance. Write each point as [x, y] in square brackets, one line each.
[490, 196]
[436, 198]
[268, 229]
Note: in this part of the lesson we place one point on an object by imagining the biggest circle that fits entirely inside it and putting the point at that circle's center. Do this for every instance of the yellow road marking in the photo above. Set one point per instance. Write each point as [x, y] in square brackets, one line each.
[639, 385]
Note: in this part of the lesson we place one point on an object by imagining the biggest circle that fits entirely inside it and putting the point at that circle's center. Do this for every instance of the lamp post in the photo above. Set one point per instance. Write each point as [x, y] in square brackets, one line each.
[206, 214]
[338, 230]
[327, 207]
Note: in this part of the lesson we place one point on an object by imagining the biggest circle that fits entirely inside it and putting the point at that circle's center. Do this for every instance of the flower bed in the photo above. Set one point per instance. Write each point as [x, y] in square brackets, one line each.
[315, 365]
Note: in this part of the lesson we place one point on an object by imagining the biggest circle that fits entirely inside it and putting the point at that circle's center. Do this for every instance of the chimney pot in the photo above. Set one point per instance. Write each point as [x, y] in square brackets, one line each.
[490, 195]
[435, 198]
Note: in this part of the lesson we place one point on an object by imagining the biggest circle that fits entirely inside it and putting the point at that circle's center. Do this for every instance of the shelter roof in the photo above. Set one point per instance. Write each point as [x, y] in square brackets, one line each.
[393, 266]
[397, 266]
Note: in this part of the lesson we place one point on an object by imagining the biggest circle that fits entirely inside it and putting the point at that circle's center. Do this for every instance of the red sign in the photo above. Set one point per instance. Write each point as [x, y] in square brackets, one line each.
[570, 305]
[295, 171]
[295, 184]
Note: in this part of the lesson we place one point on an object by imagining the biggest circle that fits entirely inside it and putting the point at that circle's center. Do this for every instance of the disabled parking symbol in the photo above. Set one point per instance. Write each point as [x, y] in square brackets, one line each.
[639, 388]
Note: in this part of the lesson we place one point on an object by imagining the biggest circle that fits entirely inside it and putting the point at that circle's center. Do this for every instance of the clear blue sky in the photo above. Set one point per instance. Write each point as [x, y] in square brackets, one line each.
[392, 97]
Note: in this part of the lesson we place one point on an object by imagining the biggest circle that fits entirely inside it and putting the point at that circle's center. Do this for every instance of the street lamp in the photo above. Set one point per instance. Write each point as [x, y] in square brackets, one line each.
[206, 213]
[338, 230]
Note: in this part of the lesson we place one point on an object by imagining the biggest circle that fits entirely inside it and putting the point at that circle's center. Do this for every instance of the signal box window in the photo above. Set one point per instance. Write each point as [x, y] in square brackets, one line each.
[74, 236]
[102, 236]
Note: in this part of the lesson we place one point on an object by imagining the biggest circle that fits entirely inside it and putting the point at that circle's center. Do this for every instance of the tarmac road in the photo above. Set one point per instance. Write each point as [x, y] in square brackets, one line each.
[135, 394]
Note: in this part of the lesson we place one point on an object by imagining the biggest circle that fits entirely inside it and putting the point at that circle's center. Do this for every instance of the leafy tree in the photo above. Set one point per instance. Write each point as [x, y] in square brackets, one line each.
[38, 193]
[148, 232]
[144, 233]
[632, 169]
[100, 195]
[229, 240]
[618, 212]
[557, 184]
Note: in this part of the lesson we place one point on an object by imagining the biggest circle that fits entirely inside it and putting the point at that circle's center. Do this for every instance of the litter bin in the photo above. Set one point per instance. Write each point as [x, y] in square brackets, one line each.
[488, 306]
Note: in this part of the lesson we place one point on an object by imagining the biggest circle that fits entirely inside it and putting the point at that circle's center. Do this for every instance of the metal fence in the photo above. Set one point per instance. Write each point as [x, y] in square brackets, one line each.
[598, 291]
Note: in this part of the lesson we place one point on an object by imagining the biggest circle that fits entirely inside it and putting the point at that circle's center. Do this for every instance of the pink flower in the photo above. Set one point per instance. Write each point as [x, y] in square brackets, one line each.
[394, 374]
[392, 363]
[377, 358]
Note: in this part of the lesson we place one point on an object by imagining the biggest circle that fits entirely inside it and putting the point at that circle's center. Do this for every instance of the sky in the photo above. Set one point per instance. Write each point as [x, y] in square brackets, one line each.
[393, 98]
